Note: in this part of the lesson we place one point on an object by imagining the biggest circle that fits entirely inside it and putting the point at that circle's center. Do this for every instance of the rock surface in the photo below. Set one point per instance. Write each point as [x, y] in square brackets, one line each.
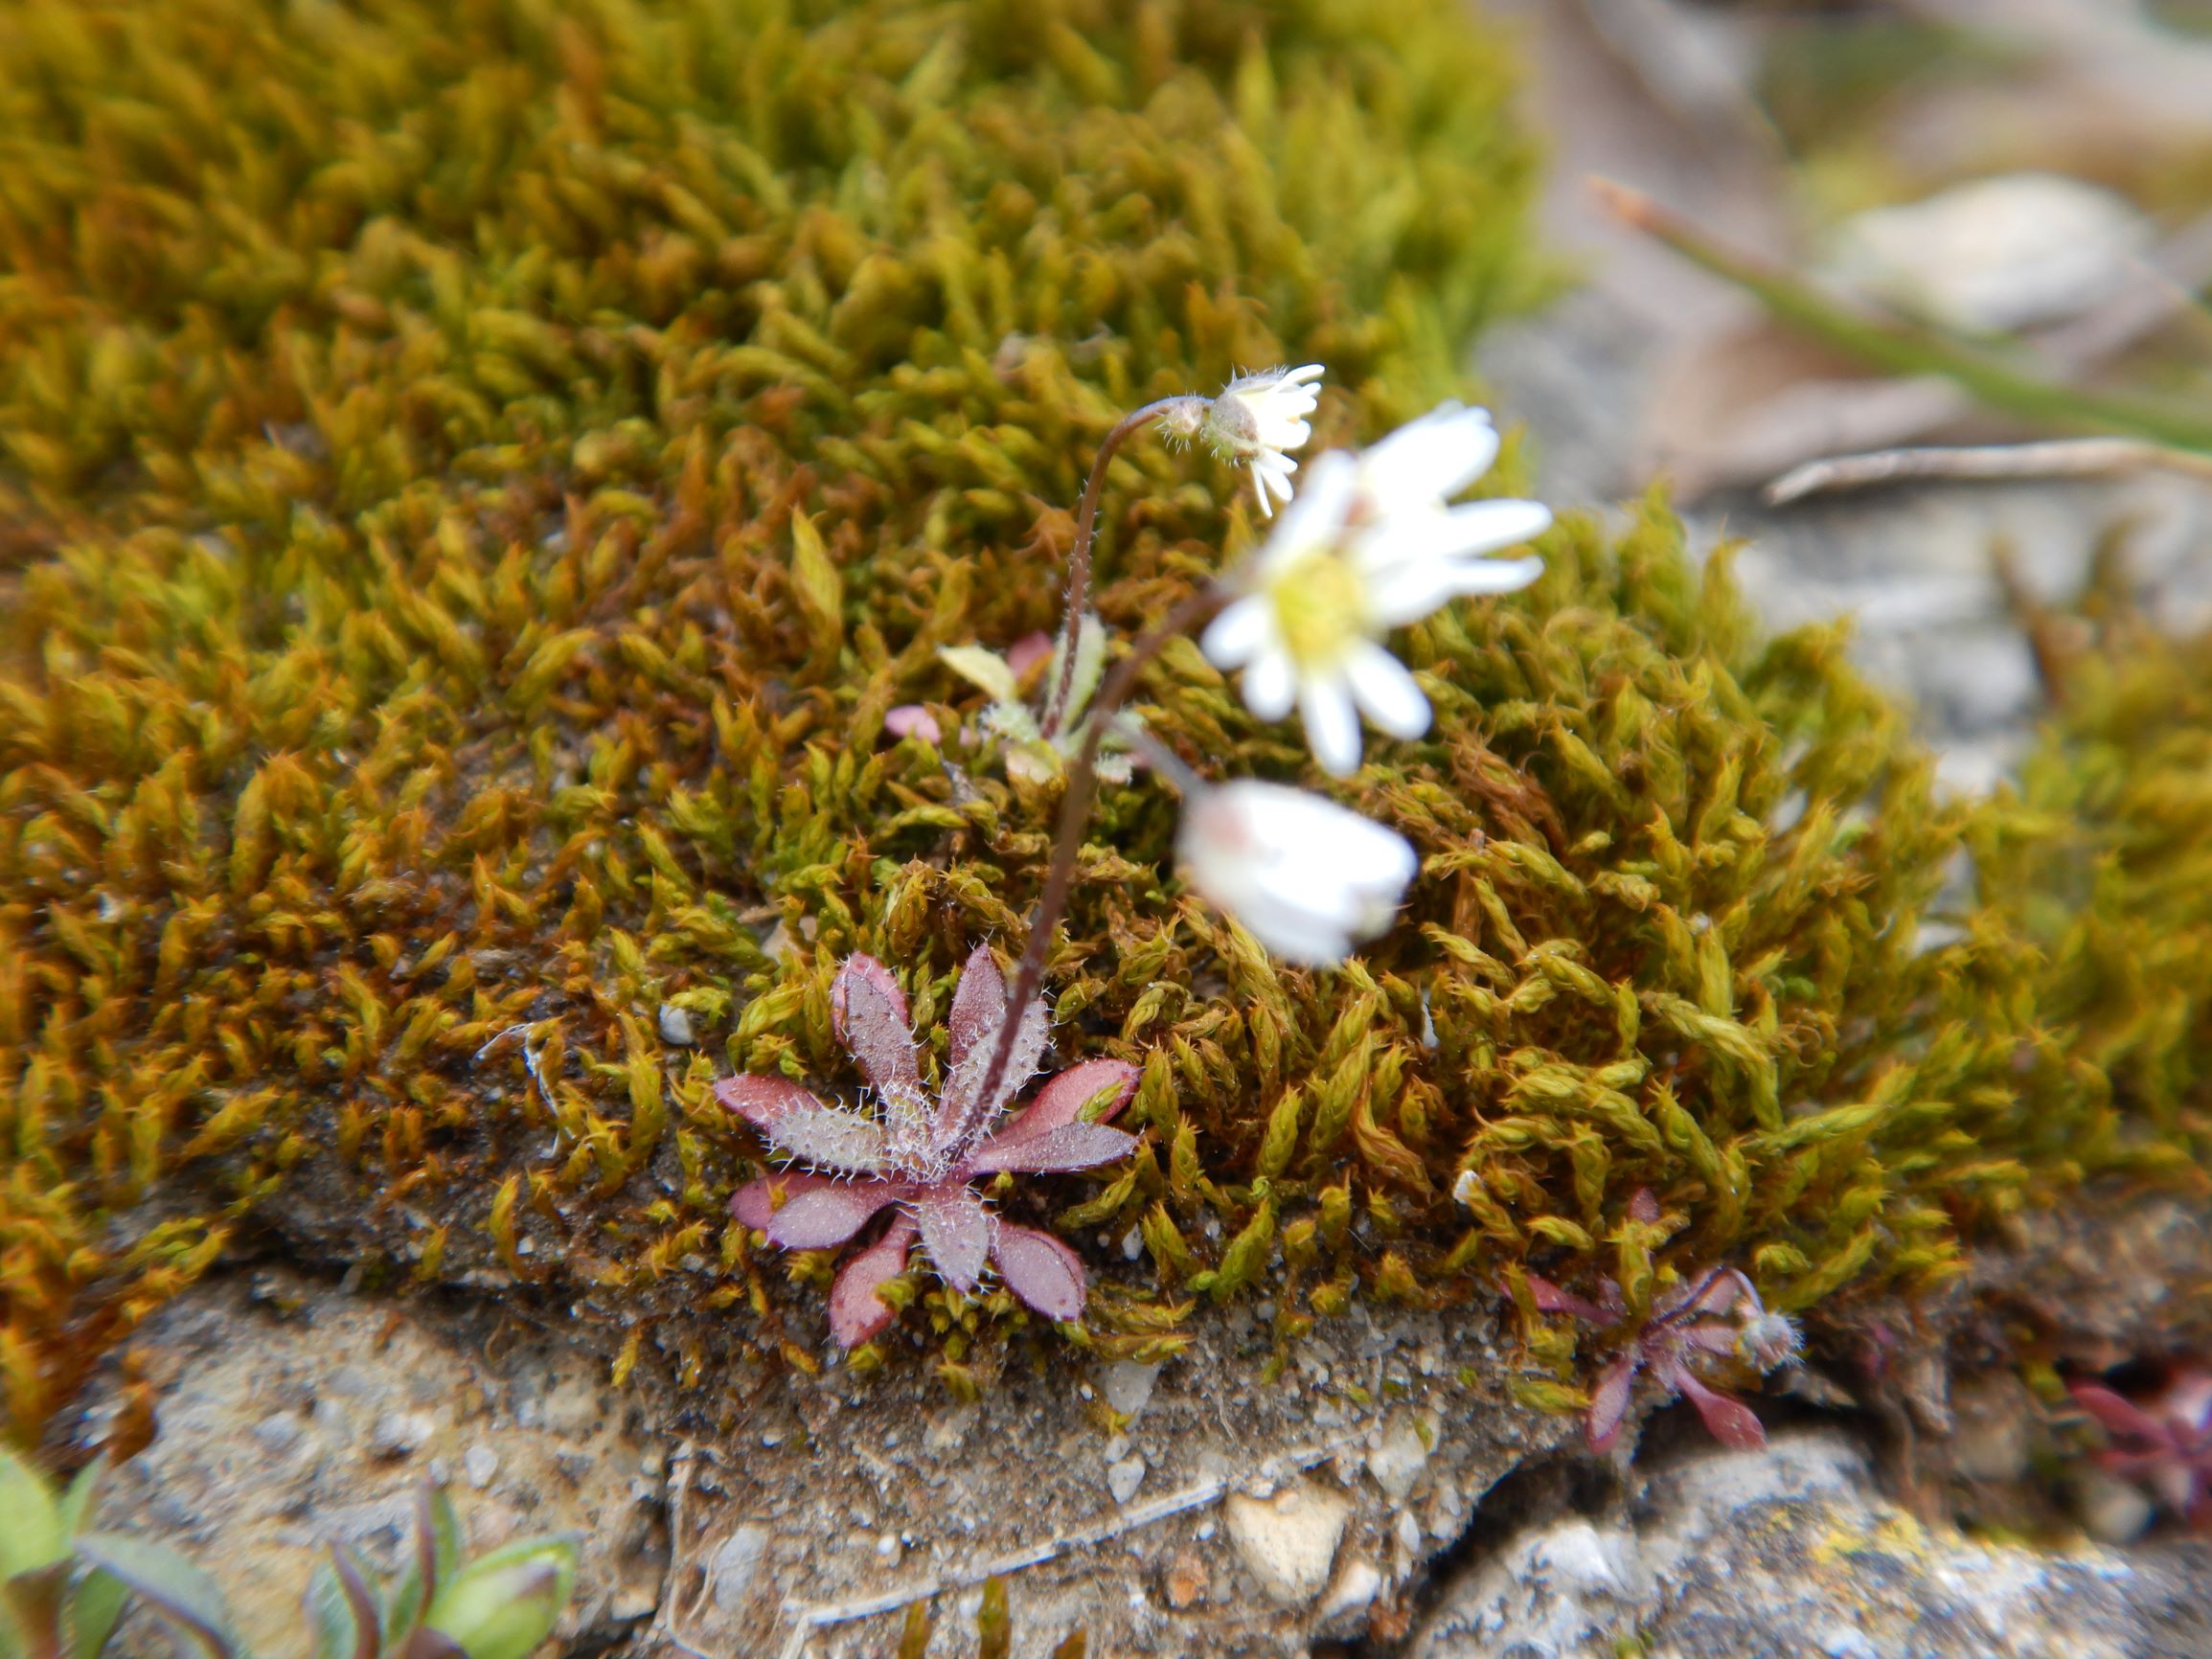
[1790, 1551]
[289, 1411]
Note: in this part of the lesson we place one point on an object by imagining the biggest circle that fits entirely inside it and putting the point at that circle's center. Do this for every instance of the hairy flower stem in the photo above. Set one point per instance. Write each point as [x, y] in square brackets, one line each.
[1075, 812]
[1085, 535]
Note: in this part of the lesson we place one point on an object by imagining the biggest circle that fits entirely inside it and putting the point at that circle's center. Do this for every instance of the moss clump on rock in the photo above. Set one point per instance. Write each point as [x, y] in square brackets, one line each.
[475, 478]
[2102, 860]
[479, 483]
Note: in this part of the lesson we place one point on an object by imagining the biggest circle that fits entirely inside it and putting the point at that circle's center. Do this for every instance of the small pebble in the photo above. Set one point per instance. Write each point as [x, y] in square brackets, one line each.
[735, 1566]
[1117, 1448]
[1186, 1580]
[675, 1026]
[1128, 1387]
[888, 1549]
[1125, 1477]
[399, 1434]
[480, 1463]
[2114, 1511]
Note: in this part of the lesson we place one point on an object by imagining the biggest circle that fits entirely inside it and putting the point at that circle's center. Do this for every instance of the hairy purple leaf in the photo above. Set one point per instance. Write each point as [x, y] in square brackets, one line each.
[855, 1313]
[1610, 1402]
[977, 1004]
[1070, 1147]
[1040, 1270]
[963, 1116]
[1062, 1100]
[816, 1212]
[831, 1137]
[870, 1016]
[860, 966]
[1550, 1298]
[956, 1232]
[1732, 1422]
[762, 1101]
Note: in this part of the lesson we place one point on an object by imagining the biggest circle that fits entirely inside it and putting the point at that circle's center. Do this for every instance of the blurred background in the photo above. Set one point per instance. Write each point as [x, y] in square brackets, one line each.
[2030, 178]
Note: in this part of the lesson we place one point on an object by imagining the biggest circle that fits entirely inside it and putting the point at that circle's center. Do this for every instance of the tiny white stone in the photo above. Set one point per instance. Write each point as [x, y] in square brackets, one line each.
[2114, 1511]
[1288, 1542]
[1356, 1586]
[675, 1026]
[399, 1434]
[1132, 1244]
[1117, 1448]
[480, 1463]
[1399, 1457]
[1125, 1477]
[888, 1548]
[1128, 1387]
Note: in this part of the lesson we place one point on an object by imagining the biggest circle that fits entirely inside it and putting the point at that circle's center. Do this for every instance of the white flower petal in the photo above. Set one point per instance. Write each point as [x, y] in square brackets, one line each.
[1429, 460]
[1331, 724]
[1408, 591]
[1487, 526]
[1386, 691]
[1316, 518]
[1270, 685]
[1479, 576]
[1244, 626]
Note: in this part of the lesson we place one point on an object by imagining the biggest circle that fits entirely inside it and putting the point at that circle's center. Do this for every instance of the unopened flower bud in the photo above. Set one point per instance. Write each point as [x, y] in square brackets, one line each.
[1257, 420]
[1767, 1340]
[504, 1605]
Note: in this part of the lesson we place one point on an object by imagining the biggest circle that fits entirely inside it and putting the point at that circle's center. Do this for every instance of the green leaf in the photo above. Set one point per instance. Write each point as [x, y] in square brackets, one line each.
[986, 670]
[180, 1592]
[84, 1493]
[503, 1604]
[1090, 651]
[34, 1535]
[334, 1621]
[95, 1604]
[445, 1539]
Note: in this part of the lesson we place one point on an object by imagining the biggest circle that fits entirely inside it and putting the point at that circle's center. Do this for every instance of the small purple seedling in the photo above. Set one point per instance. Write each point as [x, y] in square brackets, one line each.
[2165, 1443]
[1718, 1314]
[922, 1157]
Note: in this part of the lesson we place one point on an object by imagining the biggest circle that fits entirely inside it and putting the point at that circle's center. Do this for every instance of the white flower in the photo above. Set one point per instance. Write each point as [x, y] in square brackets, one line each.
[1257, 418]
[1370, 544]
[1305, 878]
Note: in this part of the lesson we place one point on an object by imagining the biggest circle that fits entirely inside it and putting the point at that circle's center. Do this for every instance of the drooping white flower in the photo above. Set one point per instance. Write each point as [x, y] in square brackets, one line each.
[1257, 420]
[1305, 878]
[1371, 543]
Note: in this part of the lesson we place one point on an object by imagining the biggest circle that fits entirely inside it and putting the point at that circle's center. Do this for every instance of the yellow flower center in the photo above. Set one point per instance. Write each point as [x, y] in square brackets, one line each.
[1321, 608]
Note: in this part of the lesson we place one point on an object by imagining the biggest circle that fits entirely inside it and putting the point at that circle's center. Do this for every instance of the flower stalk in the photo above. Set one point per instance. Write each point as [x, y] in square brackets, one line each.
[1079, 562]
